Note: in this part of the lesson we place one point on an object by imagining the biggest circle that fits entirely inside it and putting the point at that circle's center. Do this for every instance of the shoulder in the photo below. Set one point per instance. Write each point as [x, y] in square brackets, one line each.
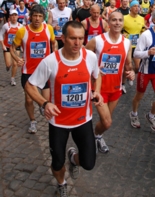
[127, 16]
[5, 26]
[54, 10]
[91, 54]
[68, 9]
[146, 34]
[20, 31]
[49, 27]
[140, 18]
[49, 60]
[126, 40]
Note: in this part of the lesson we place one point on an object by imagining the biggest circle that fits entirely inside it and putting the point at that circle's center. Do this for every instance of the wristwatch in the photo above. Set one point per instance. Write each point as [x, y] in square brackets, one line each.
[44, 104]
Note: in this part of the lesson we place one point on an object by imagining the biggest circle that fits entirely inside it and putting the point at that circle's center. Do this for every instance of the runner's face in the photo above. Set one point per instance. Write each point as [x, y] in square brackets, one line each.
[125, 3]
[134, 9]
[13, 18]
[112, 3]
[153, 8]
[22, 4]
[87, 3]
[116, 22]
[36, 20]
[95, 13]
[74, 40]
[61, 4]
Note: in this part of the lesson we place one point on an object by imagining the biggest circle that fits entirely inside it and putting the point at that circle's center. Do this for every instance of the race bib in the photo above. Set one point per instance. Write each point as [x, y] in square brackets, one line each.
[61, 22]
[74, 95]
[144, 10]
[37, 49]
[110, 64]
[133, 38]
[10, 38]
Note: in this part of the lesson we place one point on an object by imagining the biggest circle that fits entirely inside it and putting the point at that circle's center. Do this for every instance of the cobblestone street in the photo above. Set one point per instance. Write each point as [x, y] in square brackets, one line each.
[128, 170]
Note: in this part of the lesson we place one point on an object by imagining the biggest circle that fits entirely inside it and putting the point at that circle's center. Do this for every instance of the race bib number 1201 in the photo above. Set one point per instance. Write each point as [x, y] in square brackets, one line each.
[74, 95]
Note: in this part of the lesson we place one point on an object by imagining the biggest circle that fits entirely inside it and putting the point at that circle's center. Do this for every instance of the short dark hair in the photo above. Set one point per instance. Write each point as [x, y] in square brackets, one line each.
[37, 9]
[34, 3]
[74, 24]
[21, 1]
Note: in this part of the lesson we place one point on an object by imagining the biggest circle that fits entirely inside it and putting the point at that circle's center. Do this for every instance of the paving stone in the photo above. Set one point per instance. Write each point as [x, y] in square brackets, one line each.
[8, 193]
[45, 178]
[22, 192]
[22, 176]
[128, 170]
[29, 183]
[15, 184]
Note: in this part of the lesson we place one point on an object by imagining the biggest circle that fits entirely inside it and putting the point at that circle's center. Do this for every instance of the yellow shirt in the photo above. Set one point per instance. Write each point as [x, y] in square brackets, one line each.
[133, 27]
[21, 32]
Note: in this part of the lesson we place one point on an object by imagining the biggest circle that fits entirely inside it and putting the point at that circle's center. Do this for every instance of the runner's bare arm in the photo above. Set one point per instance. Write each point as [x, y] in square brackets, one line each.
[20, 61]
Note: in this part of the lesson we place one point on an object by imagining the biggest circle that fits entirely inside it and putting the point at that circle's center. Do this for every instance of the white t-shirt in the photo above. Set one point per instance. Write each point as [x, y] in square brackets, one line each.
[60, 17]
[49, 67]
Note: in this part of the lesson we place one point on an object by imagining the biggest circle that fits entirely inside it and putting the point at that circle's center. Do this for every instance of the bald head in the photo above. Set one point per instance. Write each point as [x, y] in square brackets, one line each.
[95, 12]
[95, 8]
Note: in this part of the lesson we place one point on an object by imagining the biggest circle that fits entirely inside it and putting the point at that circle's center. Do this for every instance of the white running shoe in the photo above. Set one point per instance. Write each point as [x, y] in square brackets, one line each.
[73, 169]
[62, 190]
[101, 145]
[151, 121]
[134, 121]
[13, 83]
[130, 82]
[33, 129]
[123, 89]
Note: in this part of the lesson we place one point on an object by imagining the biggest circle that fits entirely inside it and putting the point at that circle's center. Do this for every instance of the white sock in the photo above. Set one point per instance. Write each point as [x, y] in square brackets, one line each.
[63, 183]
[134, 113]
[151, 115]
[97, 136]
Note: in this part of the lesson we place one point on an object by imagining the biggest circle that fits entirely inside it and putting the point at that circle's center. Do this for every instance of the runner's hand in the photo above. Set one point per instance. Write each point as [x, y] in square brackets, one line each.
[51, 110]
[130, 75]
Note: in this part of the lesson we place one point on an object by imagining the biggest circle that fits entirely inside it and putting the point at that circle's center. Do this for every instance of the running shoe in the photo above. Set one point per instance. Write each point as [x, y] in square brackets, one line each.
[123, 89]
[151, 121]
[134, 120]
[101, 145]
[130, 82]
[13, 83]
[33, 129]
[62, 190]
[73, 169]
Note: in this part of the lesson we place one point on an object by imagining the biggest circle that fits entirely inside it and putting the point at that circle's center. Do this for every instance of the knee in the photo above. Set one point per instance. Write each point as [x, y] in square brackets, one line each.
[28, 101]
[57, 166]
[106, 123]
[138, 97]
[88, 165]
[88, 161]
